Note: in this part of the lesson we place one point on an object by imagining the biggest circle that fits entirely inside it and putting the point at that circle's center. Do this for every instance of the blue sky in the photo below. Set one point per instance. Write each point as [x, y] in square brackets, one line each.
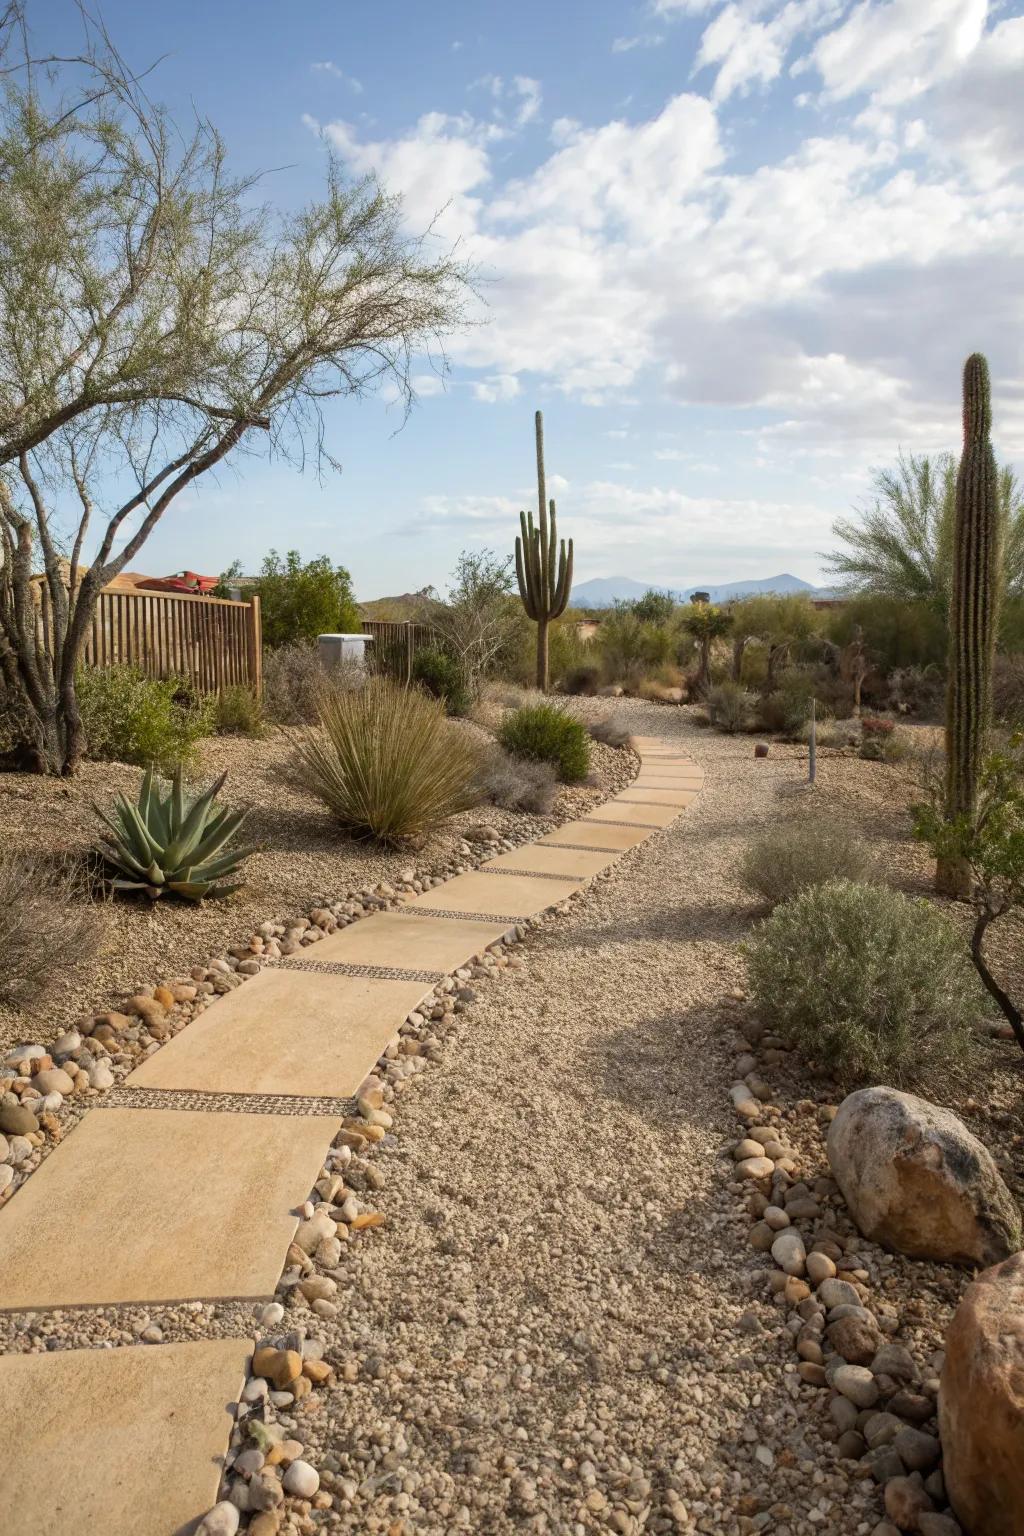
[736, 250]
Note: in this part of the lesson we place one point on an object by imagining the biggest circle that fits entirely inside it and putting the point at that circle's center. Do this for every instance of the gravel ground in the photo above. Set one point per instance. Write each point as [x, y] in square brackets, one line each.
[302, 860]
[562, 1326]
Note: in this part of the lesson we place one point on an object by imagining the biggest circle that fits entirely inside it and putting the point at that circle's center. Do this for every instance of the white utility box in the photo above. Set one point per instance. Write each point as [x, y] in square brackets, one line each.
[343, 650]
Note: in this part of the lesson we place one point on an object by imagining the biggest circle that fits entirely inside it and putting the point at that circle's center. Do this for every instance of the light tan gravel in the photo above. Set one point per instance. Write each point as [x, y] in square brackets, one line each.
[302, 860]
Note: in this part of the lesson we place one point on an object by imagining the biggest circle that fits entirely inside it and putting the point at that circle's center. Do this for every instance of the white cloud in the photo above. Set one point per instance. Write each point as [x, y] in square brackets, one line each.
[899, 48]
[328, 67]
[641, 40]
[428, 384]
[499, 386]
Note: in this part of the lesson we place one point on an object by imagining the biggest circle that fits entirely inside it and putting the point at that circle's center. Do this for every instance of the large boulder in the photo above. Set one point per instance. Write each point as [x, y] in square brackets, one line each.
[917, 1181]
[981, 1403]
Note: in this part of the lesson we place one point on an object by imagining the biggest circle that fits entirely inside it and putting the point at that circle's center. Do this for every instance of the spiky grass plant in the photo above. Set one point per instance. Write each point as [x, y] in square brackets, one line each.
[387, 763]
[172, 842]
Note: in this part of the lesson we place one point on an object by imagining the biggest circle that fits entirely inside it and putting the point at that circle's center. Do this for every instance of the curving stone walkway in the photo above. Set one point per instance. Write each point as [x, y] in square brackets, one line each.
[197, 1199]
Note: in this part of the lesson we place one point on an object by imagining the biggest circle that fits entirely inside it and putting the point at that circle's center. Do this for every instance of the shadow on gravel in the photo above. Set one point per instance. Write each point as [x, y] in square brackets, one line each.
[721, 922]
[672, 1068]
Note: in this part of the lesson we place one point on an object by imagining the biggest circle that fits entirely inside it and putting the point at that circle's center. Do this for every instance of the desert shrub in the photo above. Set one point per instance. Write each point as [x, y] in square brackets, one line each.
[611, 731]
[730, 708]
[922, 690]
[301, 599]
[130, 717]
[795, 855]
[48, 925]
[896, 632]
[1008, 690]
[238, 712]
[517, 784]
[293, 679]
[583, 679]
[654, 607]
[387, 762]
[868, 982]
[875, 737]
[661, 693]
[632, 649]
[787, 707]
[832, 733]
[443, 678]
[567, 651]
[548, 734]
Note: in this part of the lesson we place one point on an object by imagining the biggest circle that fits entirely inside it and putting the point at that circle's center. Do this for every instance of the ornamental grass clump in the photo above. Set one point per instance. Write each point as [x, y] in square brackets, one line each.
[790, 858]
[867, 983]
[547, 734]
[387, 763]
[49, 926]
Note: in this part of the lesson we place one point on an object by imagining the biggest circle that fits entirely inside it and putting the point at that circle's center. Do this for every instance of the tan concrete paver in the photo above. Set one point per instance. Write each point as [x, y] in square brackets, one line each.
[640, 794]
[590, 834]
[420, 944]
[160, 1205]
[548, 860]
[117, 1442]
[642, 815]
[508, 895]
[285, 1031]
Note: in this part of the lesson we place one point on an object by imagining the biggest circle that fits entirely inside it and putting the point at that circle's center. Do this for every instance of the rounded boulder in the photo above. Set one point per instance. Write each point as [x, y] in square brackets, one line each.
[917, 1181]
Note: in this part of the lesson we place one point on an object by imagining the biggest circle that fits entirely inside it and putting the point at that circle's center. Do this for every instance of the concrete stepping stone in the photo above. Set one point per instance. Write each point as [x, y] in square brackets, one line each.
[590, 834]
[147, 1205]
[542, 858]
[392, 942]
[633, 815]
[640, 794]
[509, 895]
[285, 1032]
[117, 1442]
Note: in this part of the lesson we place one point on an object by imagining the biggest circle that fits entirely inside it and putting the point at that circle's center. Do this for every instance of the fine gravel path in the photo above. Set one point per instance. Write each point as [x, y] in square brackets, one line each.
[562, 1331]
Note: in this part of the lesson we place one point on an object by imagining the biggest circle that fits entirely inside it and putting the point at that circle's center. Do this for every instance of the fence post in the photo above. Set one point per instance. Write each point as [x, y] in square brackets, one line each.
[255, 646]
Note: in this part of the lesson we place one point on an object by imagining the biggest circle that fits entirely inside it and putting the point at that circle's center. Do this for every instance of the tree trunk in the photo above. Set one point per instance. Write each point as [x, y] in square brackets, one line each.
[542, 655]
[992, 986]
[738, 648]
[953, 878]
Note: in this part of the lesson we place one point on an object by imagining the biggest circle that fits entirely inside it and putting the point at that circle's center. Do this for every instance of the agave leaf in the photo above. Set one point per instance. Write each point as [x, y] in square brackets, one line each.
[177, 804]
[146, 796]
[154, 850]
[211, 869]
[193, 890]
[195, 826]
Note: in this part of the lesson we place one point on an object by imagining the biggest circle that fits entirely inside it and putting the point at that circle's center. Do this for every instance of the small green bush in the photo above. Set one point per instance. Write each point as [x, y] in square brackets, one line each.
[238, 712]
[548, 734]
[130, 717]
[786, 709]
[443, 678]
[867, 982]
[730, 708]
[790, 858]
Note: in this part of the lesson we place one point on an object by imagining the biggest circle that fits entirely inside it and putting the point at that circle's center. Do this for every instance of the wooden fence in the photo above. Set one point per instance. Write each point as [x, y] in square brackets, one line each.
[396, 643]
[210, 640]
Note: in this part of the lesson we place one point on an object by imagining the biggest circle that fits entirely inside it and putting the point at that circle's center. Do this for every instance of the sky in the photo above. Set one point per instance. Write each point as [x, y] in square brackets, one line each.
[735, 250]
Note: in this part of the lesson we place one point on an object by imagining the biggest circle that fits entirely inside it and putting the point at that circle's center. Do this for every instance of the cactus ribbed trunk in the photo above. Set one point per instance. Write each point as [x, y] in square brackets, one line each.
[543, 567]
[973, 614]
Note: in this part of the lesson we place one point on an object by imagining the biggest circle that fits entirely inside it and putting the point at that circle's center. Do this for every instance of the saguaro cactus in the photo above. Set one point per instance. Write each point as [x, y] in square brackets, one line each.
[543, 566]
[973, 613]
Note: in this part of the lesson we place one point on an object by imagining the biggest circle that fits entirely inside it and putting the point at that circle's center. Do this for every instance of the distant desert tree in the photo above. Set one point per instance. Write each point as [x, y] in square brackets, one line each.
[706, 624]
[901, 544]
[655, 607]
[155, 320]
[301, 599]
[479, 622]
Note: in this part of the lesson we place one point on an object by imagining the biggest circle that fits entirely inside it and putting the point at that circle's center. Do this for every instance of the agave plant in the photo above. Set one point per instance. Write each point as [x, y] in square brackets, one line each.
[172, 842]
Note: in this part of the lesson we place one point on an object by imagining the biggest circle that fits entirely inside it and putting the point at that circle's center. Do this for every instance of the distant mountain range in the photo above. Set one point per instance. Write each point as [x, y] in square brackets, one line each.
[604, 591]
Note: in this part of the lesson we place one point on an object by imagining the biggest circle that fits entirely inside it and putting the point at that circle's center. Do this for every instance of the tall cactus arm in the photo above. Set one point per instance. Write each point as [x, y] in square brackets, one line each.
[524, 572]
[564, 586]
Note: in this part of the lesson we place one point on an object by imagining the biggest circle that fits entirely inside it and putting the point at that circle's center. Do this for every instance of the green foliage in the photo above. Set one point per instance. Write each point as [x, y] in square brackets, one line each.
[303, 599]
[173, 842]
[543, 568]
[974, 600]
[897, 632]
[387, 762]
[989, 842]
[630, 648]
[130, 717]
[868, 982]
[902, 544]
[443, 678]
[791, 857]
[706, 624]
[787, 708]
[238, 712]
[655, 607]
[547, 734]
[730, 708]
[765, 616]
[479, 623]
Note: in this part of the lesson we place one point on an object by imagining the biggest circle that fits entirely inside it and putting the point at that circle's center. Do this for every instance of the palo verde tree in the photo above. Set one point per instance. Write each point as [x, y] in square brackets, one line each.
[155, 322]
[544, 569]
[706, 624]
